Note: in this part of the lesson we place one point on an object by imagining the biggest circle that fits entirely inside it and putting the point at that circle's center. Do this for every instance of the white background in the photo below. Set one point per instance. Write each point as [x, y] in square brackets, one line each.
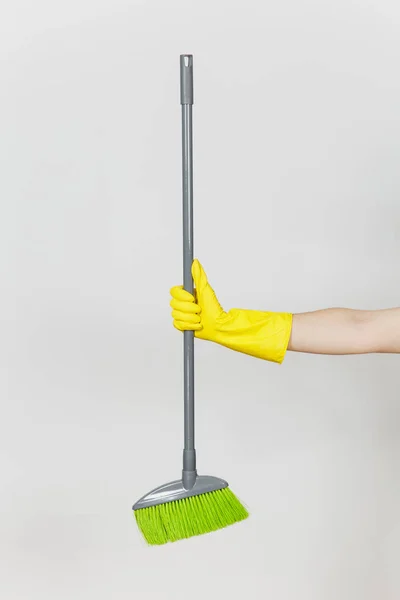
[297, 185]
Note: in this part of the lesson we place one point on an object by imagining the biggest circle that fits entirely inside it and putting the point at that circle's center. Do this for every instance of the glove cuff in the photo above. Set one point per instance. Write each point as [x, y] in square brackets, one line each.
[260, 334]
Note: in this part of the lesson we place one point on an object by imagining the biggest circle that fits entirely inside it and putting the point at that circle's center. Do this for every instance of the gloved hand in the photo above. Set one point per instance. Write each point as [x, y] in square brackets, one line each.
[261, 334]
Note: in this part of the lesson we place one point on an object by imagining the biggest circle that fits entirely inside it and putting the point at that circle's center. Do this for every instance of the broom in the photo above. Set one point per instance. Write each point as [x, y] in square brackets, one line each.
[194, 504]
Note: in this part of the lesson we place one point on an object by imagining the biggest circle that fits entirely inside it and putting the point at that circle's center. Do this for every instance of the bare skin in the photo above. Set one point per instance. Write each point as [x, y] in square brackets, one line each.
[337, 331]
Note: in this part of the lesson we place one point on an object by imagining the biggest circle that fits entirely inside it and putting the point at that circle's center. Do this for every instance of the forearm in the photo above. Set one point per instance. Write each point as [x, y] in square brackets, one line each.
[345, 331]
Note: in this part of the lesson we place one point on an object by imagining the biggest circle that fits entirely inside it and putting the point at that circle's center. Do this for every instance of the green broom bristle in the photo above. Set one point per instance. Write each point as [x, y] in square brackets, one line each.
[185, 518]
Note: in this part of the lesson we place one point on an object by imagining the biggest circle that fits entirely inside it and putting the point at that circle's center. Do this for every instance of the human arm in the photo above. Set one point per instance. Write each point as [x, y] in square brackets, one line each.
[346, 331]
[268, 335]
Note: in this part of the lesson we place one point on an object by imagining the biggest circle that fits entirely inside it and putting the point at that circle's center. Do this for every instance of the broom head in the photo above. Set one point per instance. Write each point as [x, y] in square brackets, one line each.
[194, 512]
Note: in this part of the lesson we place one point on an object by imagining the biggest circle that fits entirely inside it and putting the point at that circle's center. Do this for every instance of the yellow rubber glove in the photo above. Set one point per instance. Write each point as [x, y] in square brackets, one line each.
[261, 334]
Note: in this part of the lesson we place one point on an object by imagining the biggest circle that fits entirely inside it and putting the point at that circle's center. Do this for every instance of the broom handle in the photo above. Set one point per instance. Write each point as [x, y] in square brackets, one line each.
[186, 83]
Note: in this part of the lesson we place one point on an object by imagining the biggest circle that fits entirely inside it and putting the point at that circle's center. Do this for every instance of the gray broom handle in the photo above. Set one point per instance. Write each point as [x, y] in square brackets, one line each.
[186, 84]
